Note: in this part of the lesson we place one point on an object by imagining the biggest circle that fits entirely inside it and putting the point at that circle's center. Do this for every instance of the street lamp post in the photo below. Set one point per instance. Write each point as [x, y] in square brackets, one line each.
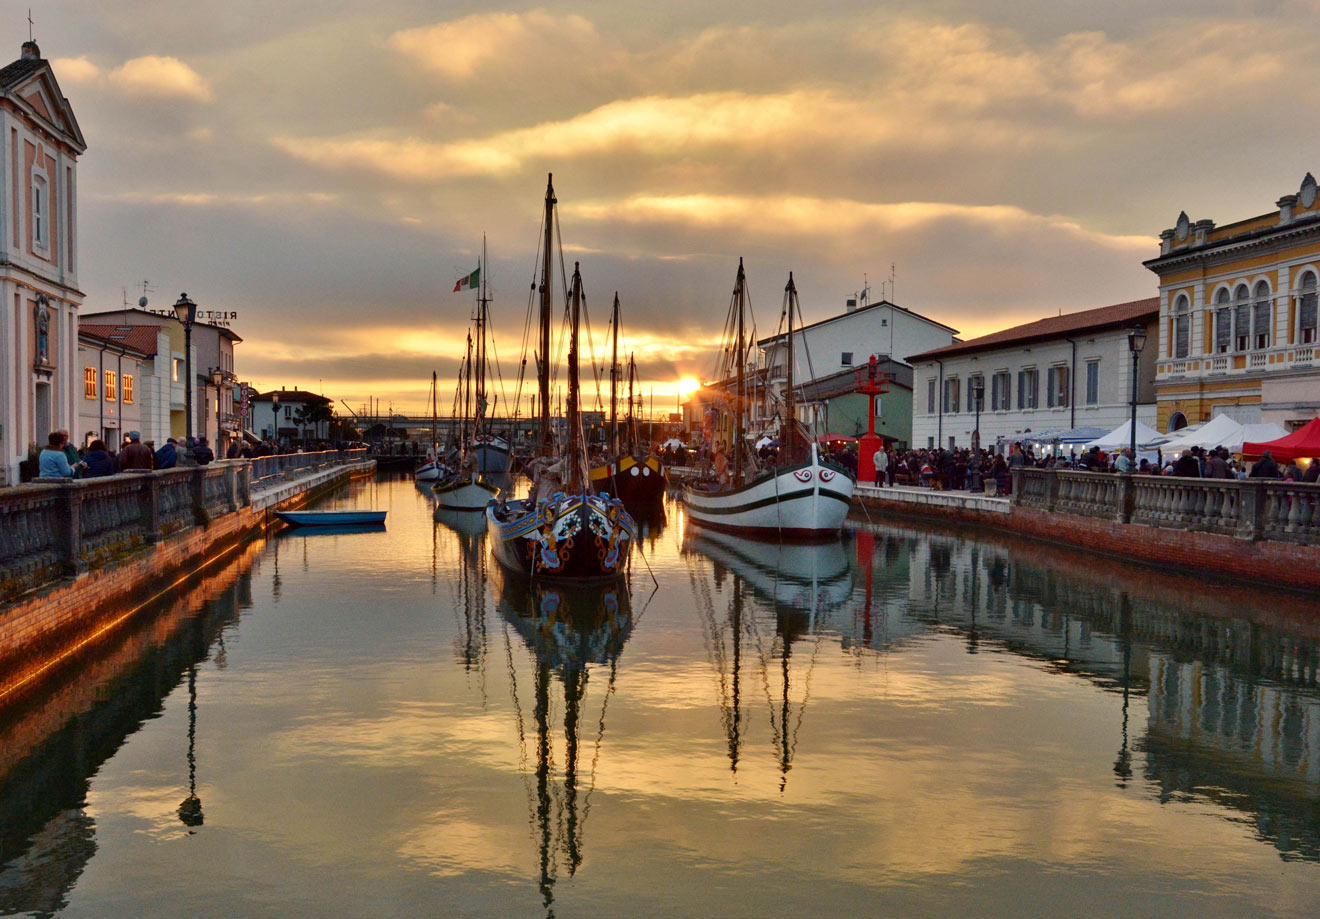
[186, 310]
[217, 380]
[1136, 342]
[978, 394]
[275, 416]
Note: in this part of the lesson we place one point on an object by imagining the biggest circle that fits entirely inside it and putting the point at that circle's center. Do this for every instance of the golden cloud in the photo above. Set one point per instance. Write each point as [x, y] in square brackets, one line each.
[461, 49]
[75, 70]
[157, 77]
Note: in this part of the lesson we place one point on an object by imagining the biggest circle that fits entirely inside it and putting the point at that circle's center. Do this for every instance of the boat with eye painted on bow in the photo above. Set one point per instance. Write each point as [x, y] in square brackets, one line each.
[793, 495]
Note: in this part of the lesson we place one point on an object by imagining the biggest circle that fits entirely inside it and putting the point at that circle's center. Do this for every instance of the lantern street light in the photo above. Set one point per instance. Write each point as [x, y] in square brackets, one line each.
[978, 395]
[1136, 342]
[218, 380]
[186, 310]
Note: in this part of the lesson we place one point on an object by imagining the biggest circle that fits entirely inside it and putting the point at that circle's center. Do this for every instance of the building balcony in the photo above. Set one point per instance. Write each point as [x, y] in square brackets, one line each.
[1248, 363]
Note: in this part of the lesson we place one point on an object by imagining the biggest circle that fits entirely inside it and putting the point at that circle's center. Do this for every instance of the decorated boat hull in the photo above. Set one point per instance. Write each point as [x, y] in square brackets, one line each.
[808, 501]
[492, 452]
[430, 472]
[569, 537]
[464, 494]
[638, 482]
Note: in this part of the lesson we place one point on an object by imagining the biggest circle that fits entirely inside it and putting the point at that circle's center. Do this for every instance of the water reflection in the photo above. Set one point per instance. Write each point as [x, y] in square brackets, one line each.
[1230, 685]
[570, 631]
[778, 596]
[52, 746]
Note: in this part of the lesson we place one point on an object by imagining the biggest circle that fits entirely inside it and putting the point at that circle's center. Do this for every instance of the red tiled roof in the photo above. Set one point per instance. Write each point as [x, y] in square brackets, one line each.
[139, 338]
[1116, 316]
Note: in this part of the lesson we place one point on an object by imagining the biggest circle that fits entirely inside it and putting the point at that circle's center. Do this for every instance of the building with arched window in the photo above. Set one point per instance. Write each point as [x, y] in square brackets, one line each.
[41, 382]
[1238, 330]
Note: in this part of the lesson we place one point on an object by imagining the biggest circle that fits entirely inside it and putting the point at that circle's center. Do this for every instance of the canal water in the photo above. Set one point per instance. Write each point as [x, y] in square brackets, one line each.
[903, 723]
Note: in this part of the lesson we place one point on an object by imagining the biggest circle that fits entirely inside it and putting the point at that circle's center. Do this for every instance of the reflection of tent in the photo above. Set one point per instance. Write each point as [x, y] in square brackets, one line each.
[673, 443]
[1220, 431]
[1305, 441]
[1121, 437]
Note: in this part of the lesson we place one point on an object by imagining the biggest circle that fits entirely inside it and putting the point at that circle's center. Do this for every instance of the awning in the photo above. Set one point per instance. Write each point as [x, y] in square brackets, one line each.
[1303, 442]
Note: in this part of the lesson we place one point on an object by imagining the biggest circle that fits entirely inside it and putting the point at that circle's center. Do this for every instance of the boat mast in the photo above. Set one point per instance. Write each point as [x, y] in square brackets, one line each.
[630, 425]
[467, 395]
[789, 439]
[435, 422]
[481, 344]
[576, 479]
[740, 358]
[614, 381]
[543, 365]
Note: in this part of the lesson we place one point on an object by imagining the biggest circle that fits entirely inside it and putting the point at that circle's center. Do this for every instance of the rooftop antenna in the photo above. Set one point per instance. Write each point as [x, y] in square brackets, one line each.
[142, 300]
[892, 270]
[866, 292]
[30, 24]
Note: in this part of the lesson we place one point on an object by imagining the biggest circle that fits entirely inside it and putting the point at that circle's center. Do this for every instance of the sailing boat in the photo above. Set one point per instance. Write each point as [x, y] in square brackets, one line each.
[561, 530]
[432, 469]
[795, 497]
[636, 477]
[463, 488]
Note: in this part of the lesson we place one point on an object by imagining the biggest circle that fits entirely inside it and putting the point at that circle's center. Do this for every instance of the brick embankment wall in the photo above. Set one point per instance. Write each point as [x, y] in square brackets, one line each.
[1266, 562]
[48, 627]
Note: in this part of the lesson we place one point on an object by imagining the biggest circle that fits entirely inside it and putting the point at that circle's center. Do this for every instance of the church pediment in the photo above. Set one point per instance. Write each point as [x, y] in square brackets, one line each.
[39, 94]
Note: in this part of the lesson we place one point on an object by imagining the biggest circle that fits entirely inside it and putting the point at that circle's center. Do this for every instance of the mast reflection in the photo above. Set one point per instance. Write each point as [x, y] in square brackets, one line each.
[571, 630]
[797, 587]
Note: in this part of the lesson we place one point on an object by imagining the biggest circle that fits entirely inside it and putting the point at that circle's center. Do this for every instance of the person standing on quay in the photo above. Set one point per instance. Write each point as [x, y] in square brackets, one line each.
[53, 464]
[881, 460]
[1123, 462]
[1267, 468]
[99, 462]
[202, 453]
[135, 455]
[167, 457]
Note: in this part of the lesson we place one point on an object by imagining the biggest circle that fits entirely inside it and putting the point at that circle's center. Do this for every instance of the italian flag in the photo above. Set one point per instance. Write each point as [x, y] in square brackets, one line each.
[469, 282]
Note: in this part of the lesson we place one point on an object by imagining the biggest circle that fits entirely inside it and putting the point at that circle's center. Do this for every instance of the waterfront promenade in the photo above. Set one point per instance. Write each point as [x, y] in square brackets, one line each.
[76, 558]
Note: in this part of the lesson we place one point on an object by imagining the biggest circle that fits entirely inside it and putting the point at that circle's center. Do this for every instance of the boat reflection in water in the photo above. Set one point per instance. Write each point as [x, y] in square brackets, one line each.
[794, 586]
[571, 630]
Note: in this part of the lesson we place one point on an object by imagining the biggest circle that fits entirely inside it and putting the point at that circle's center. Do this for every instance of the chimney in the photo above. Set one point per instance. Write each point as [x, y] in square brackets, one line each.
[850, 305]
[30, 51]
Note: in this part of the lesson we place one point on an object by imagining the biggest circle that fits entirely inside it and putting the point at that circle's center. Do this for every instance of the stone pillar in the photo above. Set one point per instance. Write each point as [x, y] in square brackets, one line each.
[1051, 489]
[149, 500]
[199, 494]
[1251, 510]
[244, 492]
[71, 529]
[1127, 492]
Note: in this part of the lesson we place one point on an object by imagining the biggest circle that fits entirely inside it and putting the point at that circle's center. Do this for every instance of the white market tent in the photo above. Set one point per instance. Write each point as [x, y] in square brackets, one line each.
[1222, 431]
[1121, 437]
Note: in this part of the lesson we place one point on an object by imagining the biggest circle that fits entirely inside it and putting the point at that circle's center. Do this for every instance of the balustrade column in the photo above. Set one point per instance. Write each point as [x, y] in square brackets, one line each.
[70, 526]
[149, 502]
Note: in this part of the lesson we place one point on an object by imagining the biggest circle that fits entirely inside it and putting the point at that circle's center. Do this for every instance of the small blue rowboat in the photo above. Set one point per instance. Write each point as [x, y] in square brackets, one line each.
[330, 518]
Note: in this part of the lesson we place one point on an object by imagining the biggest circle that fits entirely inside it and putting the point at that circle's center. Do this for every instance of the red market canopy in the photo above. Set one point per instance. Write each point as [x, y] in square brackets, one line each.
[1305, 441]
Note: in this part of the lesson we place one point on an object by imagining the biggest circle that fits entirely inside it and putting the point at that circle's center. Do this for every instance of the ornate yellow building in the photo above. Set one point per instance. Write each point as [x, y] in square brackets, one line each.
[1238, 324]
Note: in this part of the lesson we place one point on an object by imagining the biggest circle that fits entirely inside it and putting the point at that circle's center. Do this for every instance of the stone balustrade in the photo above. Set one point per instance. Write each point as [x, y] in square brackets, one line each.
[1252, 509]
[53, 528]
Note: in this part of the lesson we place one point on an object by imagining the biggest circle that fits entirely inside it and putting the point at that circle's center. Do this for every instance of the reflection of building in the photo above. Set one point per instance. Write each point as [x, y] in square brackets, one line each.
[214, 404]
[1057, 373]
[1238, 323]
[40, 380]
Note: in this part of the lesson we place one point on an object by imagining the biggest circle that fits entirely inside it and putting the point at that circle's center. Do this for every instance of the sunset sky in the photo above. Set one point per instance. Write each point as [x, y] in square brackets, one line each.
[327, 168]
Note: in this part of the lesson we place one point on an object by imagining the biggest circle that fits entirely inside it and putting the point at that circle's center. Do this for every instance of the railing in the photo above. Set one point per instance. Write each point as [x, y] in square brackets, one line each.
[269, 467]
[1278, 357]
[1248, 508]
[50, 528]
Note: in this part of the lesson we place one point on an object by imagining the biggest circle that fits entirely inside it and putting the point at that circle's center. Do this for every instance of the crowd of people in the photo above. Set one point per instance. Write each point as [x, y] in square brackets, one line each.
[62, 460]
[962, 469]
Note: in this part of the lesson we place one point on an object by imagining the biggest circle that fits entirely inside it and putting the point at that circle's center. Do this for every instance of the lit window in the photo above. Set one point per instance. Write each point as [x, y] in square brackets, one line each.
[128, 388]
[89, 382]
[178, 363]
[109, 386]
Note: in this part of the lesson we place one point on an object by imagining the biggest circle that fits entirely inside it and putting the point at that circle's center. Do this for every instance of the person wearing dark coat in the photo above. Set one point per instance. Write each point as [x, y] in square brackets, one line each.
[1267, 468]
[202, 453]
[1188, 466]
[99, 461]
[167, 457]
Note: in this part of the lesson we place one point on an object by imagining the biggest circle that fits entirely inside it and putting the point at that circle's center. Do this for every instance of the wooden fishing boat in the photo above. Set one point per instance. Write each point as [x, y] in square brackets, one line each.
[330, 518]
[562, 530]
[795, 497]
